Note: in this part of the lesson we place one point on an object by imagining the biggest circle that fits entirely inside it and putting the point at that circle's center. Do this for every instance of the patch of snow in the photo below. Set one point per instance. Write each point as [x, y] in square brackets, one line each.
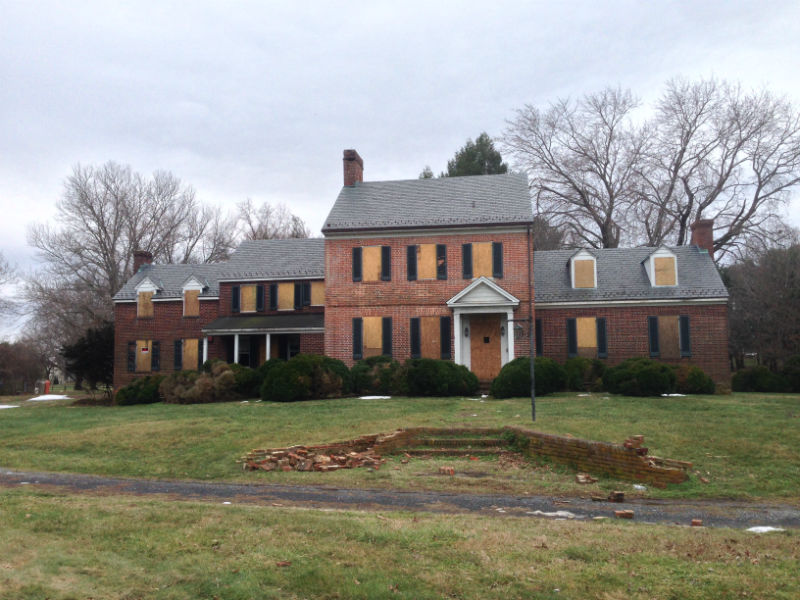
[245, 402]
[226, 502]
[583, 395]
[9, 406]
[559, 514]
[484, 395]
[639, 486]
[673, 395]
[764, 529]
[374, 397]
[47, 397]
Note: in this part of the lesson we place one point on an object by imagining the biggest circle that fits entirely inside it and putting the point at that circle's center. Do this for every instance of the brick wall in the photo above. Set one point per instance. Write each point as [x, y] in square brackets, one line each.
[402, 299]
[627, 333]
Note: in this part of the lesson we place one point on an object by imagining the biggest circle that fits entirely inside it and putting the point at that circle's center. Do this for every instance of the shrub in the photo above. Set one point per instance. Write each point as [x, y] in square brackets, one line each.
[758, 379]
[791, 374]
[305, 377]
[247, 381]
[690, 379]
[175, 387]
[144, 390]
[216, 384]
[640, 377]
[379, 375]
[579, 371]
[514, 379]
[431, 377]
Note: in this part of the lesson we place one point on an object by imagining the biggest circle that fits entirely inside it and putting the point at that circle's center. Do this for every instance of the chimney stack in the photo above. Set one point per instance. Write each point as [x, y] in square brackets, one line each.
[141, 258]
[703, 235]
[353, 168]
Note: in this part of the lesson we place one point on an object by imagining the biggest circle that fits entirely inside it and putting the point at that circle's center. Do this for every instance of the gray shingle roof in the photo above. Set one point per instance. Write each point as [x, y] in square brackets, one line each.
[448, 201]
[170, 280]
[622, 276]
[276, 259]
[266, 323]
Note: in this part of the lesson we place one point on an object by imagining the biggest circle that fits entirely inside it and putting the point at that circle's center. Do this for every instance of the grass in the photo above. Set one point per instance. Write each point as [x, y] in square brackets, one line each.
[122, 547]
[744, 445]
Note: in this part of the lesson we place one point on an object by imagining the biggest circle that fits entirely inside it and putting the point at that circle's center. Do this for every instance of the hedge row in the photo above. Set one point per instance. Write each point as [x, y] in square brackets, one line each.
[761, 379]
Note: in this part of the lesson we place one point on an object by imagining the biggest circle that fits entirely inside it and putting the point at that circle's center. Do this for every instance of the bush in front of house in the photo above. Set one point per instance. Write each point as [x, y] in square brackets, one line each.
[247, 381]
[218, 384]
[431, 377]
[791, 373]
[690, 379]
[306, 377]
[758, 379]
[514, 379]
[144, 390]
[379, 375]
[584, 373]
[640, 377]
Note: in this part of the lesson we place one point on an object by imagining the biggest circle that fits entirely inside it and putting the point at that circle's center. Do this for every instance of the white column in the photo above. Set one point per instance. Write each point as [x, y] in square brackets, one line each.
[236, 348]
[205, 349]
[457, 333]
[510, 331]
[266, 354]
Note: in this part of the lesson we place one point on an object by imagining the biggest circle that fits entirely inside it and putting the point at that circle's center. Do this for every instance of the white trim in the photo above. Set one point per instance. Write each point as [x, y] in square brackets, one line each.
[603, 304]
[236, 348]
[205, 348]
[650, 267]
[397, 232]
[193, 284]
[582, 255]
[146, 285]
[510, 299]
[267, 348]
[246, 280]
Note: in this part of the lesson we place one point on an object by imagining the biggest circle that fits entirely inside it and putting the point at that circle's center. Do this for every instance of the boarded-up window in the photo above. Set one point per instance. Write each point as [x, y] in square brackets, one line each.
[430, 337]
[587, 337]
[285, 296]
[144, 307]
[190, 354]
[371, 263]
[426, 261]
[317, 293]
[143, 355]
[584, 273]
[482, 263]
[373, 336]
[665, 270]
[669, 337]
[191, 303]
[248, 293]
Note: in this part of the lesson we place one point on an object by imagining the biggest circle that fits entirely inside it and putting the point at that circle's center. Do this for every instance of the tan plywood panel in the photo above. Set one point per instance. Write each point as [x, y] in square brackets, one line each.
[665, 270]
[317, 293]
[371, 263]
[248, 295]
[430, 337]
[145, 304]
[668, 337]
[426, 261]
[190, 349]
[191, 303]
[482, 259]
[285, 296]
[373, 336]
[584, 273]
[587, 332]
[143, 351]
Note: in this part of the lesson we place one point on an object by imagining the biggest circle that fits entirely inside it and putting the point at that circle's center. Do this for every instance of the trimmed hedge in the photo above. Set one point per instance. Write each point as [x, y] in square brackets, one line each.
[431, 377]
[581, 371]
[640, 377]
[144, 390]
[379, 375]
[514, 379]
[306, 377]
[758, 379]
[791, 374]
[690, 379]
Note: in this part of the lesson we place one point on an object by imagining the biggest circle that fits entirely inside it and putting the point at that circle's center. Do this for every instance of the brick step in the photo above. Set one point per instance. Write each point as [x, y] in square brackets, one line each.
[458, 442]
[453, 451]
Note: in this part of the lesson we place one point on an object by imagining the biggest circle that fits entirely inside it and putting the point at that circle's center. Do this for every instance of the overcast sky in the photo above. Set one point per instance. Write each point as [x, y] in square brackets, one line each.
[258, 99]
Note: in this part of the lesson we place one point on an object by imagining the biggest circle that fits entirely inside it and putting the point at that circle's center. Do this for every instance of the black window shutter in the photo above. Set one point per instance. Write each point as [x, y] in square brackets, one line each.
[572, 338]
[131, 357]
[602, 340]
[200, 355]
[298, 295]
[652, 330]
[466, 261]
[411, 262]
[416, 350]
[155, 360]
[387, 336]
[357, 263]
[386, 263]
[178, 352]
[235, 298]
[306, 293]
[273, 296]
[497, 259]
[260, 298]
[444, 335]
[358, 344]
[441, 261]
[686, 342]
[539, 342]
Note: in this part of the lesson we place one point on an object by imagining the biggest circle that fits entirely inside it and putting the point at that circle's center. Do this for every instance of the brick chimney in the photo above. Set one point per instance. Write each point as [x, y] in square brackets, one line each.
[141, 258]
[353, 168]
[703, 235]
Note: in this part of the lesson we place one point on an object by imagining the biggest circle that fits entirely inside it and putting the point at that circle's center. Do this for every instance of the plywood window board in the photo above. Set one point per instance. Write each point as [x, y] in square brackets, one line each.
[144, 307]
[482, 259]
[144, 352]
[248, 295]
[190, 350]
[587, 336]
[191, 303]
[317, 293]
[285, 296]
[669, 337]
[426, 261]
[371, 263]
[665, 270]
[584, 273]
[373, 336]
[430, 337]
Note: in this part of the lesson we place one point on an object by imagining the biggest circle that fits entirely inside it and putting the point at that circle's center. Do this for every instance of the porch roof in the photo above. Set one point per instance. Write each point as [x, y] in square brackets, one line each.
[295, 323]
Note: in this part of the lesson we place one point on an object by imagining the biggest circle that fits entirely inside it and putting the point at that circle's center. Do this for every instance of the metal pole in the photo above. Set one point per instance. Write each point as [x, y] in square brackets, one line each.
[531, 323]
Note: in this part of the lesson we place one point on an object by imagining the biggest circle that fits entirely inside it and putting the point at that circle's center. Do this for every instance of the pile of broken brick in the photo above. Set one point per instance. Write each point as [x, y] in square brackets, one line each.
[303, 458]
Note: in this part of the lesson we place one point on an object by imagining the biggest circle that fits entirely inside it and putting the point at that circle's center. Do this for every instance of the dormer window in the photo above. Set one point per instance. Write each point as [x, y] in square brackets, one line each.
[144, 297]
[191, 297]
[583, 270]
[662, 268]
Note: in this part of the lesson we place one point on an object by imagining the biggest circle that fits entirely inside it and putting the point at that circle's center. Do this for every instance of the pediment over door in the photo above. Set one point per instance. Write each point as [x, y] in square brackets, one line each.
[483, 293]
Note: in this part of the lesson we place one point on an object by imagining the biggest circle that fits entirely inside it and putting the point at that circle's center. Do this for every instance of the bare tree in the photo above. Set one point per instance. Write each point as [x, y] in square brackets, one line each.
[269, 222]
[7, 277]
[583, 158]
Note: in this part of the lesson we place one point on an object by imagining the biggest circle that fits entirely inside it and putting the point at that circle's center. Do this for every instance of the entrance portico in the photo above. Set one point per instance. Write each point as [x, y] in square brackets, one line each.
[482, 325]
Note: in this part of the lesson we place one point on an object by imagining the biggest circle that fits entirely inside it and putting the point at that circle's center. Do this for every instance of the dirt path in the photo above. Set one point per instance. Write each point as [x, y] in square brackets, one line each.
[722, 513]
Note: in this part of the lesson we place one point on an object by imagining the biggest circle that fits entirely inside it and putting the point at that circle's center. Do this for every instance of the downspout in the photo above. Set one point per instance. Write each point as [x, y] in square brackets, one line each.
[531, 323]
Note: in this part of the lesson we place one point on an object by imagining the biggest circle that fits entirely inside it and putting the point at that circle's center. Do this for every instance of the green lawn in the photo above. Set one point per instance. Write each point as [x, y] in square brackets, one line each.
[123, 547]
[744, 445]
